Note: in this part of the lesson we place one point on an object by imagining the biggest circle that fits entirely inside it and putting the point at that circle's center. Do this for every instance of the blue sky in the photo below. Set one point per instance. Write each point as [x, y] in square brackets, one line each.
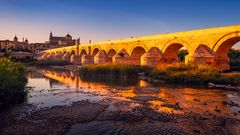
[100, 20]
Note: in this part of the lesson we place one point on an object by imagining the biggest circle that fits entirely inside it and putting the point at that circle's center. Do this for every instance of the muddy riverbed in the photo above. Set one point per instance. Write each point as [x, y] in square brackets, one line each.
[59, 102]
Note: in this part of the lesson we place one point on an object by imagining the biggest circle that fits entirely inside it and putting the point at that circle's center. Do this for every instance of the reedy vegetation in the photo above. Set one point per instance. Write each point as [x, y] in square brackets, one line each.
[13, 80]
[114, 70]
[178, 74]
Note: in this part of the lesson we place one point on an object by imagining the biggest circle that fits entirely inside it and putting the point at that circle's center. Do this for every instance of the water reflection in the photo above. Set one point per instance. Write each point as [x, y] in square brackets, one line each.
[63, 87]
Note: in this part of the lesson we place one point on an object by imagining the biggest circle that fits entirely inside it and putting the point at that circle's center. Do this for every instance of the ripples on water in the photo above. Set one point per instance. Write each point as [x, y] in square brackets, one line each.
[51, 88]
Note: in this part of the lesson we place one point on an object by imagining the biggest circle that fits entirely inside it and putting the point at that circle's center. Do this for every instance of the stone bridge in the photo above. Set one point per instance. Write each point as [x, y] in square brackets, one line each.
[206, 46]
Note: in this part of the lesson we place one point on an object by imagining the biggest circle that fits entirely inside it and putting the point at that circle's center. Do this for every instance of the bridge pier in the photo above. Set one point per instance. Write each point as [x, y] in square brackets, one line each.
[43, 57]
[50, 56]
[87, 59]
[205, 47]
[57, 56]
[222, 64]
[121, 57]
[151, 58]
[202, 55]
[66, 56]
[75, 59]
[100, 58]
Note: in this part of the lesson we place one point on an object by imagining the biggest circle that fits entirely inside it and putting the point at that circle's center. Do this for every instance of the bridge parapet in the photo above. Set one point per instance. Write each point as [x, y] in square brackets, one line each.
[204, 46]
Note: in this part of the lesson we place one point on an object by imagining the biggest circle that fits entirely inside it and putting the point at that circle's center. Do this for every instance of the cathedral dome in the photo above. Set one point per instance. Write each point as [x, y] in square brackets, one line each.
[15, 38]
[68, 36]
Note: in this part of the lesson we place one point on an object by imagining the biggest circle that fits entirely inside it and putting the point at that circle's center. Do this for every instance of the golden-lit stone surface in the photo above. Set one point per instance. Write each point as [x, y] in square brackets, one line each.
[211, 43]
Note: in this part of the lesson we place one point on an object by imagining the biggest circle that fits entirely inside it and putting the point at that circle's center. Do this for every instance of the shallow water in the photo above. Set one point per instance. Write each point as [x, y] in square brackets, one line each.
[50, 88]
[54, 87]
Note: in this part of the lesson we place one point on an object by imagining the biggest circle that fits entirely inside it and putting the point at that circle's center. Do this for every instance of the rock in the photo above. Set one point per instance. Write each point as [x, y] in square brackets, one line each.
[197, 100]
[211, 85]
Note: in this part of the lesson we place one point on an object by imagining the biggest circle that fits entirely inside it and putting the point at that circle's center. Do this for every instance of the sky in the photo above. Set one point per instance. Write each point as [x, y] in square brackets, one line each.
[100, 20]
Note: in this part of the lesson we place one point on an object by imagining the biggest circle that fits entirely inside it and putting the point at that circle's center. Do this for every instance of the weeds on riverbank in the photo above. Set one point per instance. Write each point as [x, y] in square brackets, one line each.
[114, 70]
[46, 63]
[185, 74]
[13, 79]
[192, 75]
[178, 74]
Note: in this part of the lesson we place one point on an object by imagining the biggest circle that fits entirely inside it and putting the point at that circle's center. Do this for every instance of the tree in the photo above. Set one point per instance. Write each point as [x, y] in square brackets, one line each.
[182, 54]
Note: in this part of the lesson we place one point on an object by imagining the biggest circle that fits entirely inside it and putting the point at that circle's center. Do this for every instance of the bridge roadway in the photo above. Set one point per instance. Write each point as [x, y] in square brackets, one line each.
[205, 46]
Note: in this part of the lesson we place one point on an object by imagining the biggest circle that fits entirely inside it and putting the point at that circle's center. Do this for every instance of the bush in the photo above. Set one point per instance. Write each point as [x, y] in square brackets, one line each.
[13, 80]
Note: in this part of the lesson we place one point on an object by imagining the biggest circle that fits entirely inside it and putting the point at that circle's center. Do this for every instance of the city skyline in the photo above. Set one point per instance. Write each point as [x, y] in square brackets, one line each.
[109, 20]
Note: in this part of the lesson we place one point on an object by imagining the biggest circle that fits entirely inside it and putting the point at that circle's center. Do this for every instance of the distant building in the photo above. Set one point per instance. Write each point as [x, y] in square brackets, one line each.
[7, 46]
[61, 41]
[15, 45]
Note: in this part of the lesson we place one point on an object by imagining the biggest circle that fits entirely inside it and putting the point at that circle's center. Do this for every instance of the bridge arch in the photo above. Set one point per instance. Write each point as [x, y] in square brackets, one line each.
[110, 54]
[83, 51]
[227, 40]
[95, 50]
[136, 53]
[137, 45]
[171, 48]
[64, 51]
[222, 47]
[72, 52]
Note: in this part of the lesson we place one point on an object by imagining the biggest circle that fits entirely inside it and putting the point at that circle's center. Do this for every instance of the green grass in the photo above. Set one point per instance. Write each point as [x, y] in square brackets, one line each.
[13, 78]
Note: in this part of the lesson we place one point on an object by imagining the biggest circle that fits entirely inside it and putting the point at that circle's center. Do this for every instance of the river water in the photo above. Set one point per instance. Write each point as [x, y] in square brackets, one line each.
[62, 87]
[50, 88]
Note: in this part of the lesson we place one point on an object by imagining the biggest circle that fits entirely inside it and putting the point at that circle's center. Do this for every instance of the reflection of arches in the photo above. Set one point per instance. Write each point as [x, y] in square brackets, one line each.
[110, 54]
[222, 47]
[136, 55]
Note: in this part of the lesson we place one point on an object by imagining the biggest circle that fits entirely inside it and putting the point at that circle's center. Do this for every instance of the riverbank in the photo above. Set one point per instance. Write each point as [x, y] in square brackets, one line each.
[179, 74]
[13, 78]
[63, 103]
[184, 75]
[54, 121]
[86, 118]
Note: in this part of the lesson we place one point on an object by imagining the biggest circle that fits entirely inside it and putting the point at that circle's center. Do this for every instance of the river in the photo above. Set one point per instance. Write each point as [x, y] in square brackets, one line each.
[51, 88]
